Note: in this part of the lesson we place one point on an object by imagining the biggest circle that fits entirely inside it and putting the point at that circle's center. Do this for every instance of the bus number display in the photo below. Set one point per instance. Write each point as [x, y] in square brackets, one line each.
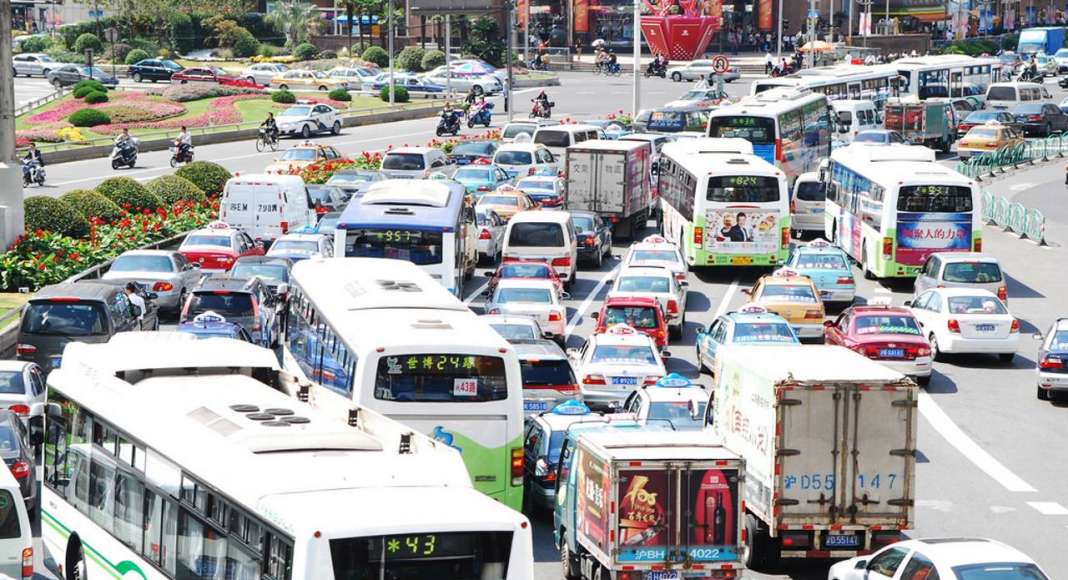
[396, 236]
[417, 546]
[423, 364]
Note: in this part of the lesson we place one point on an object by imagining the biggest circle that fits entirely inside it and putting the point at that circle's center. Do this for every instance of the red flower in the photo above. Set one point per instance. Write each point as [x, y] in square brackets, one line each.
[38, 233]
[122, 212]
[126, 205]
[74, 256]
[146, 211]
[42, 267]
[59, 253]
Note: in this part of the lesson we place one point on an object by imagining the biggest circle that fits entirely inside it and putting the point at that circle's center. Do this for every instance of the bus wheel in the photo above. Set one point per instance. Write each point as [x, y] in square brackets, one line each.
[75, 560]
[868, 274]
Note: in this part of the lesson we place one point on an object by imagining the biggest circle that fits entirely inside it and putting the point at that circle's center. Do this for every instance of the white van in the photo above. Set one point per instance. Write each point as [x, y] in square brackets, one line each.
[852, 117]
[414, 162]
[1008, 95]
[807, 203]
[266, 206]
[543, 235]
[16, 536]
[559, 137]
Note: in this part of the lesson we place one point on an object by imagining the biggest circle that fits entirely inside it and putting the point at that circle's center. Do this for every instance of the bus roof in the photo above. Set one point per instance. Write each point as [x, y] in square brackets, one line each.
[936, 60]
[698, 163]
[406, 203]
[770, 103]
[711, 146]
[898, 165]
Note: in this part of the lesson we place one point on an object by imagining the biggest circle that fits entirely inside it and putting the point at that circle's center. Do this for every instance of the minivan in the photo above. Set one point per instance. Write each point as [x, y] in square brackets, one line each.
[852, 117]
[1008, 95]
[16, 536]
[266, 206]
[559, 137]
[806, 205]
[543, 235]
[414, 162]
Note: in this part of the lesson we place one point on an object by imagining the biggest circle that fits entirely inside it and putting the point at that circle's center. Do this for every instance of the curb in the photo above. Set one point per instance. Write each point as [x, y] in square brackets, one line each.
[529, 83]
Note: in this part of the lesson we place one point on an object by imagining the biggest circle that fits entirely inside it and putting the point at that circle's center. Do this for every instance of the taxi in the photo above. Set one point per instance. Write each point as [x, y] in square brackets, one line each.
[828, 268]
[613, 364]
[659, 283]
[640, 313]
[794, 297]
[886, 334]
[216, 247]
[506, 201]
[657, 251]
[752, 325]
[212, 325]
[674, 399]
[525, 270]
[983, 139]
[543, 437]
[292, 160]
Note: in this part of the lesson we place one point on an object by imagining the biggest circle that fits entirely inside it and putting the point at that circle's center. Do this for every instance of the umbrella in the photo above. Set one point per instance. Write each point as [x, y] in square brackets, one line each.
[817, 46]
[472, 67]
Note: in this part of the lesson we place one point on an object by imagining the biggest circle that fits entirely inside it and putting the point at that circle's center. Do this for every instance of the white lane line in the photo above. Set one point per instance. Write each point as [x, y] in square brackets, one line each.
[1049, 508]
[476, 293]
[726, 300]
[577, 316]
[969, 448]
[1020, 186]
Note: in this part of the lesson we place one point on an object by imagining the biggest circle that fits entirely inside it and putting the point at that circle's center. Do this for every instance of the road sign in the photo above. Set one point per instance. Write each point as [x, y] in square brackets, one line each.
[720, 63]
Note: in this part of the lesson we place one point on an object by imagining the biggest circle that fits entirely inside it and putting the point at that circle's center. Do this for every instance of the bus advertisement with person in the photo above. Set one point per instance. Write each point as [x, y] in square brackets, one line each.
[891, 207]
[726, 208]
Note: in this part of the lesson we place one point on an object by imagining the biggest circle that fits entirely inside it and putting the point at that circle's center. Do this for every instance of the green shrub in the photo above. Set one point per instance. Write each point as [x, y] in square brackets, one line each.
[305, 51]
[267, 50]
[129, 194]
[95, 97]
[80, 93]
[400, 94]
[92, 203]
[246, 44]
[144, 44]
[172, 188]
[35, 44]
[327, 55]
[180, 28]
[433, 59]
[87, 41]
[54, 215]
[375, 54]
[135, 56]
[339, 95]
[91, 84]
[209, 177]
[60, 54]
[410, 59]
[284, 97]
[89, 117]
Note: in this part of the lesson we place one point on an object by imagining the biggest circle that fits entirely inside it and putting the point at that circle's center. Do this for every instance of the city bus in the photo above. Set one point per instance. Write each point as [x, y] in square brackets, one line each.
[846, 81]
[426, 222]
[723, 205]
[947, 75]
[381, 333]
[789, 128]
[890, 207]
[173, 459]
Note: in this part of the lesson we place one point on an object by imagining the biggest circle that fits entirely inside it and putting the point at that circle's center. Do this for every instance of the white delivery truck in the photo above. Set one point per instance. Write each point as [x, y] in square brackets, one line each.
[266, 206]
[829, 442]
[651, 504]
[613, 179]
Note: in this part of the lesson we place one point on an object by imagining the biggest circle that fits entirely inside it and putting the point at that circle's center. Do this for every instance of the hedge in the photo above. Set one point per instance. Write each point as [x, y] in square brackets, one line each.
[172, 188]
[136, 55]
[400, 94]
[80, 93]
[246, 44]
[89, 117]
[95, 97]
[129, 194]
[410, 59]
[284, 97]
[339, 95]
[53, 215]
[433, 59]
[87, 41]
[305, 51]
[209, 177]
[376, 55]
[35, 44]
[92, 203]
[90, 84]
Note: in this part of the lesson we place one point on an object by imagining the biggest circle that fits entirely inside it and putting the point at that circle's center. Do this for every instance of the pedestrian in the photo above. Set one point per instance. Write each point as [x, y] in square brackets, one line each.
[769, 63]
[136, 300]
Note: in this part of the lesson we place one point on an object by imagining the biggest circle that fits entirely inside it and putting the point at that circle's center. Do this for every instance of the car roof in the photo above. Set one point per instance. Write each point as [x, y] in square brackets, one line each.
[221, 232]
[774, 279]
[508, 319]
[1061, 324]
[168, 253]
[534, 216]
[540, 348]
[965, 257]
[301, 237]
[634, 339]
[224, 283]
[13, 365]
[83, 290]
[653, 246]
[820, 250]
[582, 213]
[526, 283]
[419, 150]
[961, 551]
[519, 147]
[556, 422]
[213, 325]
[658, 394]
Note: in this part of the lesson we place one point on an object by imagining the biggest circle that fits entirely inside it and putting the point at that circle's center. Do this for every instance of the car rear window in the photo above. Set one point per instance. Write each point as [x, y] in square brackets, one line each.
[1001, 94]
[999, 571]
[9, 516]
[11, 383]
[535, 234]
[546, 372]
[975, 305]
[515, 331]
[635, 316]
[887, 324]
[787, 293]
[582, 224]
[64, 318]
[511, 131]
[206, 240]
[605, 353]
[137, 263]
[403, 161]
[268, 272]
[225, 303]
[552, 138]
[811, 191]
[502, 200]
[513, 158]
[535, 295]
[525, 271]
[972, 272]
[822, 262]
[644, 284]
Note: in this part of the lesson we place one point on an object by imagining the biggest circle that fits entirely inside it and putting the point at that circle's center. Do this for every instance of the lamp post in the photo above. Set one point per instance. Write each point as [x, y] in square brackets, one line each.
[636, 98]
[389, 23]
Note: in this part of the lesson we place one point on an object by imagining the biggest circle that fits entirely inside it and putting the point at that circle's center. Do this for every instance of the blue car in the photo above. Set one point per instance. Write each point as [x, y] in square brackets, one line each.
[829, 269]
[752, 325]
[212, 325]
[481, 178]
[412, 84]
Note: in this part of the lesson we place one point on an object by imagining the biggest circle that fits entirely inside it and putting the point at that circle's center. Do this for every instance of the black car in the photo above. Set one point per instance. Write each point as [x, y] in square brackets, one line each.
[153, 69]
[246, 302]
[594, 236]
[17, 453]
[70, 74]
[470, 152]
[1041, 119]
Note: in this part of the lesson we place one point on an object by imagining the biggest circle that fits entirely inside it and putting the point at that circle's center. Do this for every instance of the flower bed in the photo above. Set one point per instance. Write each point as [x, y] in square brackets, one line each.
[222, 112]
[52, 126]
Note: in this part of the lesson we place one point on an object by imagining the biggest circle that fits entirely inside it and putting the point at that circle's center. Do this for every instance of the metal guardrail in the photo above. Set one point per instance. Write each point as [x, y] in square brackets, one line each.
[990, 164]
[1016, 218]
[31, 105]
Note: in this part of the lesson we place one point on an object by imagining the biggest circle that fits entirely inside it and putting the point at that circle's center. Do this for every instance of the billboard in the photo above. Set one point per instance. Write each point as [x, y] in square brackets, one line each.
[743, 231]
[920, 234]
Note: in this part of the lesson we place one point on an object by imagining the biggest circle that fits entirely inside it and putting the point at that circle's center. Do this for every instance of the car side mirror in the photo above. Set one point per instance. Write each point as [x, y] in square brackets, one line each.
[194, 265]
[260, 244]
[565, 296]
[683, 283]
[595, 315]
[547, 334]
[489, 274]
[665, 354]
[908, 303]
[861, 565]
[1037, 336]
[747, 291]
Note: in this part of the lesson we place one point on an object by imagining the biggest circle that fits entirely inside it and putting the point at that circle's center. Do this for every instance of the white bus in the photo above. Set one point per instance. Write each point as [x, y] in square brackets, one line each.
[722, 205]
[426, 222]
[383, 334]
[891, 207]
[788, 128]
[180, 463]
[846, 81]
[947, 75]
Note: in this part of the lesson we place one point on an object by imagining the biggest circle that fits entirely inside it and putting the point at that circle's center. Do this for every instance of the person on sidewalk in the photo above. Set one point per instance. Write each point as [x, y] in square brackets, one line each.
[769, 63]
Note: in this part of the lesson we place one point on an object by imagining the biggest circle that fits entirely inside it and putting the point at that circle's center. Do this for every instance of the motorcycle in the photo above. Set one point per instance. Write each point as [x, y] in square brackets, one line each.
[181, 154]
[612, 69]
[449, 123]
[32, 172]
[481, 116]
[124, 154]
[266, 140]
[656, 70]
[542, 109]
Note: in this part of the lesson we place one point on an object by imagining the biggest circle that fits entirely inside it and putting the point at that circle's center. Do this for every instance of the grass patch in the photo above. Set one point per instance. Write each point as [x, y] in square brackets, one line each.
[12, 301]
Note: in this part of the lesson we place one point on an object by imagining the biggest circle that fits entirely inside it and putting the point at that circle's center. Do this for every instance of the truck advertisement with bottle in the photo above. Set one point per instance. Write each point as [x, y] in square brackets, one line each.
[613, 179]
[829, 442]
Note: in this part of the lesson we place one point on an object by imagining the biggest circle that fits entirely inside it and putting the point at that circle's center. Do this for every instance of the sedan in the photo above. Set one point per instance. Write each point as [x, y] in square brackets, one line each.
[538, 299]
[169, 274]
[704, 98]
[304, 120]
[966, 320]
[1061, 56]
[274, 272]
[153, 69]
[211, 75]
[693, 71]
[878, 137]
[354, 182]
[523, 270]
[490, 234]
[307, 80]
[506, 202]
[660, 284]
[216, 247]
[1052, 368]
[886, 334]
[481, 178]
[262, 73]
[480, 84]
[614, 364]
[547, 190]
[752, 325]
[977, 118]
[413, 84]
[1047, 65]
[986, 139]
[594, 236]
[293, 160]
[298, 247]
[71, 74]
[22, 383]
[18, 453]
[828, 268]
[1041, 119]
[469, 152]
[945, 558]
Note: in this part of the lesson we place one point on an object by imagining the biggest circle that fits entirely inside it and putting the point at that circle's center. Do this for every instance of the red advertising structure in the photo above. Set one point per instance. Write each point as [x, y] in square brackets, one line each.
[680, 29]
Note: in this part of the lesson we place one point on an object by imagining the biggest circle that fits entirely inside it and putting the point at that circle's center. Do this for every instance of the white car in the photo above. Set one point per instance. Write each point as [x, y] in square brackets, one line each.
[524, 127]
[705, 98]
[673, 399]
[524, 159]
[22, 384]
[298, 247]
[657, 251]
[464, 82]
[537, 299]
[941, 558]
[306, 119]
[354, 76]
[659, 283]
[490, 234]
[966, 320]
[1061, 56]
[699, 70]
[613, 364]
[32, 64]
[516, 328]
[262, 73]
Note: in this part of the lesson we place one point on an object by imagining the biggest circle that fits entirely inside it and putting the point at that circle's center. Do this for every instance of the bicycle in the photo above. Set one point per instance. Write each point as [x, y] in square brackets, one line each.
[266, 140]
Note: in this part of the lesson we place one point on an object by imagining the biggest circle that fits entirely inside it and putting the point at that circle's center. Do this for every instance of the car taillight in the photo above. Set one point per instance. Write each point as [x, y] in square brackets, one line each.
[1015, 326]
[20, 409]
[285, 226]
[963, 128]
[786, 237]
[494, 311]
[26, 350]
[672, 307]
[593, 380]
[20, 469]
[1034, 117]
[1050, 363]
[517, 466]
[484, 188]
[27, 563]
[698, 236]
[953, 325]
[484, 234]
[320, 210]
[680, 276]
[888, 246]
[650, 380]
[162, 287]
[977, 245]
[845, 281]
[793, 206]
[919, 351]
[1003, 293]
[778, 149]
[817, 314]
[555, 316]
[565, 261]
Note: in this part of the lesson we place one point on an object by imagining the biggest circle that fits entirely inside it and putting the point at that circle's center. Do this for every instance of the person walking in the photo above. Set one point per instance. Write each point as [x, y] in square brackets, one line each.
[769, 63]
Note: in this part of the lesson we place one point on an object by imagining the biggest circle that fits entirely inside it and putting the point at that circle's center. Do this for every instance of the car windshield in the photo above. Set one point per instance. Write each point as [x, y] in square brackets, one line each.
[538, 372]
[552, 138]
[982, 116]
[643, 317]
[511, 131]
[1001, 94]
[787, 293]
[757, 332]
[821, 262]
[512, 332]
[142, 263]
[296, 112]
[536, 235]
[323, 194]
[653, 256]
[328, 222]
[295, 246]
[972, 272]
[604, 353]
[886, 324]
[474, 148]
[534, 295]
[351, 178]
[975, 305]
[11, 383]
[93, 72]
[506, 200]
[298, 155]
[871, 137]
[644, 284]
[473, 173]
[170, 65]
[678, 413]
[207, 240]
[999, 571]
[64, 318]
[269, 272]
[514, 158]
[519, 270]
[482, 218]
[403, 161]
[226, 304]
[582, 224]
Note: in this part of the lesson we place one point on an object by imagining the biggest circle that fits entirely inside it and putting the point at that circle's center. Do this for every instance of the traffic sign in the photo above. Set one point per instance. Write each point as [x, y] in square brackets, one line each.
[720, 63]
[814, 14]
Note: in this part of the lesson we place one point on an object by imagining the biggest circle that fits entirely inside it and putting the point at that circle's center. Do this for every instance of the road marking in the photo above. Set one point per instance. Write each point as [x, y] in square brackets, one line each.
[574, 320]
[1001, 509]
[1049, 508]
[1020, 186]
[938, 505]
[726, 300]
[969, 448]
[476, 293]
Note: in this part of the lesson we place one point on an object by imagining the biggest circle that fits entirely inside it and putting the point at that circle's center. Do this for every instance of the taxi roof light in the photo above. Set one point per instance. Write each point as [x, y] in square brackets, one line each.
[209, 316]
[786, 273]
[819, 243]
[571, 407]
[882, 297]
[753, 309]
[655, 239]
[675, 381]
[218, 225]
[622, 330]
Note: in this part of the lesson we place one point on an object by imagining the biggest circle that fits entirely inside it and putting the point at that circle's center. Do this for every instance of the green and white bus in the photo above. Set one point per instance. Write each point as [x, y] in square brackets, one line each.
[386, 335]
[723, 205]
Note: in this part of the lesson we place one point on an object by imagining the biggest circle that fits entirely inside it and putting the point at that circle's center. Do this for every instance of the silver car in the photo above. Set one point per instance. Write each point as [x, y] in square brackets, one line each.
[32, 64]
[481, 84]
[262, 73]
[490, 234]
[699, 70]
[22, 384]
[962, 270]
[355, 182]
[169, 274]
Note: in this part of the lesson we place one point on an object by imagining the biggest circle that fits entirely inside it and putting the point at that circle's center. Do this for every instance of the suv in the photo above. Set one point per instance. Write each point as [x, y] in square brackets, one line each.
[640, 313]
[547, 375]
[17, 453]
[249, 303]
[961, 270]
[414, 162]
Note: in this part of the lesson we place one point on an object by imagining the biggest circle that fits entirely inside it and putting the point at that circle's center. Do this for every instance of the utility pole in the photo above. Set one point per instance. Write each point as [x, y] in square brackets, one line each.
[448, 68]
[13, 223]
[778, 50]
[637, 99]
[508, 104]
[389, 23]
[813, 16]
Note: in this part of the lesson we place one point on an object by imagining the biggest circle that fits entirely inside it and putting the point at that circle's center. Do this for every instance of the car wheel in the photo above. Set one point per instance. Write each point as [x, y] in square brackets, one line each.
[322, 88]
[76, 568]
[335, 129]
[1042, 394]
[251, 80]
[184, 82]
[137, 77]
[923, 381]
[283, 87]
[936, 354]
[569, 563]
[676, 77]
[600, 259]
[57, 83]
[701, 366]
[305, 131]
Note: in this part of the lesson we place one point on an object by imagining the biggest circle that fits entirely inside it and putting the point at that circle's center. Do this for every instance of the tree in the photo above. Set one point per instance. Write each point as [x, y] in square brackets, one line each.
[294, 18]
[485, 41]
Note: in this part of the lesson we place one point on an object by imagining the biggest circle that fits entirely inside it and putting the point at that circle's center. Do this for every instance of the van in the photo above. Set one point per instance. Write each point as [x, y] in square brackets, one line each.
[414, 162]
[852, 117]
[543, 235]
[559, 137]
[1008, 95]
[16, 536]
[266, 206]
[807, 203]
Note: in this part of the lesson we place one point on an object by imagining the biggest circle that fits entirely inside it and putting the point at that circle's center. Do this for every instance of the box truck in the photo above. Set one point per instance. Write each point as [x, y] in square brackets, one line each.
[613, 179]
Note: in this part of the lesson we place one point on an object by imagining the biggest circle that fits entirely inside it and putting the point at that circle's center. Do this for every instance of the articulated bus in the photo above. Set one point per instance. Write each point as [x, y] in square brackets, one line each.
[846, 81]
[173, 458]
[788, 128]
[947, 75]
[426, 222]
[383, 334]
[891, 207]
[722, 205]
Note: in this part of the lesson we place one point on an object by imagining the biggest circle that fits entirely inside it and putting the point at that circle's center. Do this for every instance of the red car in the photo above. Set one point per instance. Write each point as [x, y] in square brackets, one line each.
[216, 247]
[529, 269]
[886, 334]
[211, 75]
[642, 313]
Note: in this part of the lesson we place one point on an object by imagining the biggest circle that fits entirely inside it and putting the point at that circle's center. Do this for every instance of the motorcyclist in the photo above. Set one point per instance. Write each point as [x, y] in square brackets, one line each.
[125, 141]
[471, 98]
[541, 103]
[602, 59]
[184, 143]
[271, 126]
[613, 61]
[33, 157]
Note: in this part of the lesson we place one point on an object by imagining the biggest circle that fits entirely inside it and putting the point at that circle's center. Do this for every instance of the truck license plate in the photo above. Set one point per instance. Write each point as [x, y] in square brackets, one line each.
[741, 260]
[842, 541]
[663, 575]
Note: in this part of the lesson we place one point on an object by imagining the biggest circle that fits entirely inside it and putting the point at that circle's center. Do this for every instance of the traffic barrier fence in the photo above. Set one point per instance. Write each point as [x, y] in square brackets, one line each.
[1013, 217]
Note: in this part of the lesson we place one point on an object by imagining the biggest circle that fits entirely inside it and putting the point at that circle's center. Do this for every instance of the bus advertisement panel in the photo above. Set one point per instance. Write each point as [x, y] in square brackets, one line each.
[743, 231]
[922, 234]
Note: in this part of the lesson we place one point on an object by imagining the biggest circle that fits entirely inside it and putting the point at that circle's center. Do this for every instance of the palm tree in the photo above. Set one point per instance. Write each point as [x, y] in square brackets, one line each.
[295, 18]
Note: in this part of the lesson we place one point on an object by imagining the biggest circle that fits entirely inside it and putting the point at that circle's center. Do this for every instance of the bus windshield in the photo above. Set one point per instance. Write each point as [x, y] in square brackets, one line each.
[934, 198]
[416, 246]
[756, 130]
[743, 189]
[441, 378]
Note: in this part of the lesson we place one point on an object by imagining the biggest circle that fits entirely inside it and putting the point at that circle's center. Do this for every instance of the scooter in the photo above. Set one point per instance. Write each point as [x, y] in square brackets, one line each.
[180, 154]
[656, 70]
[543, 112]
[124, 154]
[32, 172]
[481, 116]
[449, 123]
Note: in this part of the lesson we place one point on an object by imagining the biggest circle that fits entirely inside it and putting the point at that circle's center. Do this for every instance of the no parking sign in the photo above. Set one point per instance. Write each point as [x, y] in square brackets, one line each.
[720, 63]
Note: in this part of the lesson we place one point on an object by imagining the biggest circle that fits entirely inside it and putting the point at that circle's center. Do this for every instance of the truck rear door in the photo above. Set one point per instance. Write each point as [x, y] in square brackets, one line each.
[810, 453]
[611, 184]
[581, 185]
